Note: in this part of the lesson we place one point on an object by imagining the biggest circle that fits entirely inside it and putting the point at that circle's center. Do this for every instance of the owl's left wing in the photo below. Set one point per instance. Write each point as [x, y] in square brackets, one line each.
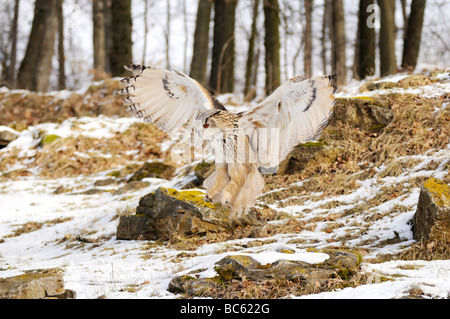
[297, 112]
[170, 100]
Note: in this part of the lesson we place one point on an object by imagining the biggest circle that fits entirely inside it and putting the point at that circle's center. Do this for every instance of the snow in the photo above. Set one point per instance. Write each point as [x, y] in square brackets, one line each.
[96, 264]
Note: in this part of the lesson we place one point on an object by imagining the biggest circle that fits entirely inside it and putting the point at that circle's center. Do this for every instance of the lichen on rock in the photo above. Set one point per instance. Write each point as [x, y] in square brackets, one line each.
[169, 213]
[431, 221]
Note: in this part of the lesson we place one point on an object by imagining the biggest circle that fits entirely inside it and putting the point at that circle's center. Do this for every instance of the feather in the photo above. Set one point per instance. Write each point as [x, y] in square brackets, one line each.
[300, 109]
[169, 99]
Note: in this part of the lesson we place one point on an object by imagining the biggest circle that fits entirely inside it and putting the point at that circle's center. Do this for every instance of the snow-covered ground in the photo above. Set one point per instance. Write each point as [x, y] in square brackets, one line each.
[76, 231]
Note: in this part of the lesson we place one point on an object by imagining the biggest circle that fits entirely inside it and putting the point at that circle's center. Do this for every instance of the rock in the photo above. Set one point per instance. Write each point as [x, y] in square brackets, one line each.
[61, 190]
[203, 171]
[298, 158]
[382, 85]
[367, 113]
[153, 170]
[239, 266]
[192, 286]
[340, 264]
[431, 221]
[106, 182]
[36, 284]
[309, 156]
[409, 81]
[168, 213]
[131, 187]
[414, 81]
[7, 135]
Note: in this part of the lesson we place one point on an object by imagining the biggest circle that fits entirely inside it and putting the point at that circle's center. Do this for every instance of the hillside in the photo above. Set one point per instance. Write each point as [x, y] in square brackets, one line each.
[65, 181]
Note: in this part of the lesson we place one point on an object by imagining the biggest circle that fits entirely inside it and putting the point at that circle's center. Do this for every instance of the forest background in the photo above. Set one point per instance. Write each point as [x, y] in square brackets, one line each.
[244, 47]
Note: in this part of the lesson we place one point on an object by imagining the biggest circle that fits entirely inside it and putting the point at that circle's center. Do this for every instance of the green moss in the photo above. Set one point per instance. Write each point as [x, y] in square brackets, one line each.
[48, 139]
[364, 98]
[192, 196]
[439, 191]
[313, 144]
[377, 127]
[202, 165]
[286, 251]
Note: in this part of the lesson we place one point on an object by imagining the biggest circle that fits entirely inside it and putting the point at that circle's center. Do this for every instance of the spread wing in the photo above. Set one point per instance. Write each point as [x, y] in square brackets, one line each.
[169, 99]
[297, 112]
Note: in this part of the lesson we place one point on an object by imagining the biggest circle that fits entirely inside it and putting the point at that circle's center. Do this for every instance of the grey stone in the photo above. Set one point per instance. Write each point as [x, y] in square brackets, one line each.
[431, 221]
[341, 264]
[169, 213]
[153, 170]
[6, 137]
[36, 284]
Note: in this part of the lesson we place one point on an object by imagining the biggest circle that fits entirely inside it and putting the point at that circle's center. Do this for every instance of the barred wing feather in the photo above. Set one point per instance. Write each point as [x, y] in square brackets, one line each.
[169, 99]
[297, 112]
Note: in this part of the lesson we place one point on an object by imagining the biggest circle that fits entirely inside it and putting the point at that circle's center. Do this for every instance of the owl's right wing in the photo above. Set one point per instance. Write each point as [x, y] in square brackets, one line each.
[170, 100]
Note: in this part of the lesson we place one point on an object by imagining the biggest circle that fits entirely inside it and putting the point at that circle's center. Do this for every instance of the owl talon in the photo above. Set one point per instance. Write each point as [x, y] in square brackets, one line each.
[207, 199]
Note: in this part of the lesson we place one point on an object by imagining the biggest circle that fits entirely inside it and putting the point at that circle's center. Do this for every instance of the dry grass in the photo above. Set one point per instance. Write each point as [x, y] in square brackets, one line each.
[34, 226]
[414, 130]
[277, 288]
[436, 250]
[20, 109]
[61, 157]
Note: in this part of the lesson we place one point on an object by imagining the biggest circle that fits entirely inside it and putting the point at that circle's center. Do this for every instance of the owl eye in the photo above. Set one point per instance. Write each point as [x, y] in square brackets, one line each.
[206, 125]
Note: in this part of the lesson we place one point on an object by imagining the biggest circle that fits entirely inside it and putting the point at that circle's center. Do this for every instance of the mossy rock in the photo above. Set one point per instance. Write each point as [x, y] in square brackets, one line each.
[373, 86]
[431, 221]
[415, 81]
[370, 114]
[170, 214]
[153, 170]
[203, 171]
[407, 82]
[195, 197]
[234, 268]
[439, 191]
[309, 156]
[192, 286]
[35, 284]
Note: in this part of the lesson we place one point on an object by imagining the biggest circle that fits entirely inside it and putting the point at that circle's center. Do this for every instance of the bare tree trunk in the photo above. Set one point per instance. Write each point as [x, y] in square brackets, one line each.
[186, 37]
[167, 33]
[307, 36]
[250, 66]
[405, 17]
[338, 42]
[201, 41]
[11, 70]
[144, 51]
[102, 37]
[108, 15]
[223, 55]
[61, 53]
[365, 43]
[36, 66]
[99, 38]
[388, 64]
[413, 37]
[272, 45]
[121, 53]
[326, 31]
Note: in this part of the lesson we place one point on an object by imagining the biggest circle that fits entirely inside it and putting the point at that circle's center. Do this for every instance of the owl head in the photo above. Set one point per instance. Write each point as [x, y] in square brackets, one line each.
[211, 123]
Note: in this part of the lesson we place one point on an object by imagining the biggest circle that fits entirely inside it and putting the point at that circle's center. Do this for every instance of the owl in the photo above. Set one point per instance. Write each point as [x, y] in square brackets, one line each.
[245, 144]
